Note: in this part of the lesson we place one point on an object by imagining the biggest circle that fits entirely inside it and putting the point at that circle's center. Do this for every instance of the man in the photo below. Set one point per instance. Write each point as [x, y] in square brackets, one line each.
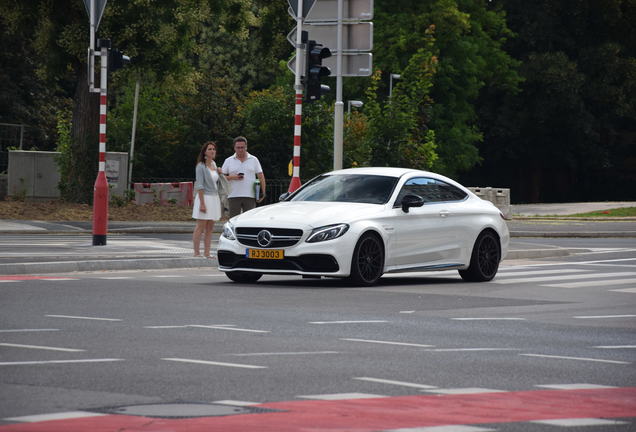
[242, 169]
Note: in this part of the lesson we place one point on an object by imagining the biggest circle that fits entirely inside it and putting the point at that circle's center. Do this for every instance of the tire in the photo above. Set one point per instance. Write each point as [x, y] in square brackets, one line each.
[367, 263]
[484, 260]
[243, 277]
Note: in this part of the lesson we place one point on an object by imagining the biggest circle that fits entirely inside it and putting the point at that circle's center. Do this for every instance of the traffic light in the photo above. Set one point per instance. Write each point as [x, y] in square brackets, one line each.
[117, 60]
[314, 70]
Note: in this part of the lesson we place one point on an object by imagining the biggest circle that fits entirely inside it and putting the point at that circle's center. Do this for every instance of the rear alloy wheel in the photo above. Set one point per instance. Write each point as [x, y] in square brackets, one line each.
[367, 264]
[484, 260]
[243, 277]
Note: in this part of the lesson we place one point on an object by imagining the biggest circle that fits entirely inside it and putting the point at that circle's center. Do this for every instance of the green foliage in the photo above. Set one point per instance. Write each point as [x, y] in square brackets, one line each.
[65, 155]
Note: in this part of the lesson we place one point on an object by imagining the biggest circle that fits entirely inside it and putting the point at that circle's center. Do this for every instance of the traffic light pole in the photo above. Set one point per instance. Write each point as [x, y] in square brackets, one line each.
[100, 190]
[339, 106]
[298, 87]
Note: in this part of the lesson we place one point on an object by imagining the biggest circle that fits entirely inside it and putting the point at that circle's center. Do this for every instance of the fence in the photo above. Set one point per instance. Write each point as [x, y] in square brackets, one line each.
[152, 191]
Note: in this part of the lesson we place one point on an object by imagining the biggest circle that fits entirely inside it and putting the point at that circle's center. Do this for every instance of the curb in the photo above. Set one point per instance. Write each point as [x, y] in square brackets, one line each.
[574, 234]
[104, 265]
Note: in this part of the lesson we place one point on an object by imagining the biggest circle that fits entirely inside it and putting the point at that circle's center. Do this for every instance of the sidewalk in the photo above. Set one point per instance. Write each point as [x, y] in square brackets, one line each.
[35, 247]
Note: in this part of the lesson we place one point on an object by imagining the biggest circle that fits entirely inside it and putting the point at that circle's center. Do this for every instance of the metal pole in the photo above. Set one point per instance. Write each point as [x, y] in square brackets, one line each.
[91, 48]
[132, 135]
[339, 106]
[21, 135]
[100, 191]
[295, 181]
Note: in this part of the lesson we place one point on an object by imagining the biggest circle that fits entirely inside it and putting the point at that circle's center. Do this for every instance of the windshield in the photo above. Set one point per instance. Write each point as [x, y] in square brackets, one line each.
[358, 188]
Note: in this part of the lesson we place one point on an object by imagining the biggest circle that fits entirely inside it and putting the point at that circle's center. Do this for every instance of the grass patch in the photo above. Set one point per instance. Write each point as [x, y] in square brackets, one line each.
[617, 212]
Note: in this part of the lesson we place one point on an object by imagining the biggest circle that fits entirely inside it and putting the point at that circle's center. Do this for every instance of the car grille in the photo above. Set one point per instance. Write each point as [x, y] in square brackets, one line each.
[321, 263]
[281, 237]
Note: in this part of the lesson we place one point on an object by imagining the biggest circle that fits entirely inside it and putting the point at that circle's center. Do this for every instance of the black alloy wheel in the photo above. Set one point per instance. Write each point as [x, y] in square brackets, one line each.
[484, 260]
[243, 277]
[367, 264]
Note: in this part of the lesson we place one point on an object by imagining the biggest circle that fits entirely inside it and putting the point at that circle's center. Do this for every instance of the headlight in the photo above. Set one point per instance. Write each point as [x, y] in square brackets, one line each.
[228, 231]
[328, 232]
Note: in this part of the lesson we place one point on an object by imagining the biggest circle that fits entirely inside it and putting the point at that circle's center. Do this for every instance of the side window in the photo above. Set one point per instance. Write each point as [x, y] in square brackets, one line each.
[431, 190]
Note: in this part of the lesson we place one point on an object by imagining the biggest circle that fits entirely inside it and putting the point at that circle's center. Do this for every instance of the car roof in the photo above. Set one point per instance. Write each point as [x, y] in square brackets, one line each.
[384, 171]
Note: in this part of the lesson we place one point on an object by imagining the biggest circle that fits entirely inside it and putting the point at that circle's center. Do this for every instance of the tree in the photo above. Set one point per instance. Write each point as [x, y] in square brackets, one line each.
[568, 135]
[468, 46]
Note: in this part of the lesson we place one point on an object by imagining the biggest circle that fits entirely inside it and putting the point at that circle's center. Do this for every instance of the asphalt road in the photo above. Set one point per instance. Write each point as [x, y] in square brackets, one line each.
[548, 340]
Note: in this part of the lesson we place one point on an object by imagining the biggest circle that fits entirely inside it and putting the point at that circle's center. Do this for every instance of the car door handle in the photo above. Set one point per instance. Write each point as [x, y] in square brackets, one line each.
[444, 213]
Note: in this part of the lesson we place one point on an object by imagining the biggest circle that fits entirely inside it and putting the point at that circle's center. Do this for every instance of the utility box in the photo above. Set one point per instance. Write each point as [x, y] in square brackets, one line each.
[35, 174]
[500, 197]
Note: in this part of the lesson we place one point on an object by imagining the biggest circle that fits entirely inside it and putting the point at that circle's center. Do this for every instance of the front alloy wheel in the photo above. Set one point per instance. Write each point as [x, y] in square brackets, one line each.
[367, 264]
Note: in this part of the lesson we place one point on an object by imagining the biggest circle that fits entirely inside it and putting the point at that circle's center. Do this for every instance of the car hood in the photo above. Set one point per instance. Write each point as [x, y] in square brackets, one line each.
[309, 214]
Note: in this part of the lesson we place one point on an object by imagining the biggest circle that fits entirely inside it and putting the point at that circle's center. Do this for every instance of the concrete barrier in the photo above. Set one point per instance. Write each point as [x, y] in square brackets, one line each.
[500, 197]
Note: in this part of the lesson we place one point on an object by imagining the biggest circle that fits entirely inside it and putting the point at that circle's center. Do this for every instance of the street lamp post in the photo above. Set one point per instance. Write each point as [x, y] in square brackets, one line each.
[355, 103]
[391, 78]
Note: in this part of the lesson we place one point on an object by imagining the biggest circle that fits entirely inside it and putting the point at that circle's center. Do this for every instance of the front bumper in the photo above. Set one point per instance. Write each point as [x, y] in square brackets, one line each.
[329, 258]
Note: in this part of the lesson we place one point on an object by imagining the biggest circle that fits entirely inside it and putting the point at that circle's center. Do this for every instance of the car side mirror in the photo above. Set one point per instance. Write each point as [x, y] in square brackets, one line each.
[284, 196]
[409, 201]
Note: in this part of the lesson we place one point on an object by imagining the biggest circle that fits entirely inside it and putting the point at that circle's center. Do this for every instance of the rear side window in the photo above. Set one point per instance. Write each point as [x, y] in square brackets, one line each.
[431, 190]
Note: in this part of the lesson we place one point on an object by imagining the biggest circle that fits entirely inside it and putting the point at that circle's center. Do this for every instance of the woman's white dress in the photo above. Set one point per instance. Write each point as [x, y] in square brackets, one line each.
[212, 203]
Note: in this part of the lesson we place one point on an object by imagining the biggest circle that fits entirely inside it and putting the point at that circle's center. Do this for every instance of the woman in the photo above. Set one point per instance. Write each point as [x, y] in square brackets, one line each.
[207, 205]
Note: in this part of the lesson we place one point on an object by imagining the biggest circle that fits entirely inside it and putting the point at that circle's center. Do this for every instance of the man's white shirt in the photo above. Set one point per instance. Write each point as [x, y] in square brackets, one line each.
[250, 167]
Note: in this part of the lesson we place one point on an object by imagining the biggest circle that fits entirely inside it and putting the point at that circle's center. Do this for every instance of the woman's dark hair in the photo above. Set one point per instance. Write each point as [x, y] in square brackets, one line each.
[201, 157]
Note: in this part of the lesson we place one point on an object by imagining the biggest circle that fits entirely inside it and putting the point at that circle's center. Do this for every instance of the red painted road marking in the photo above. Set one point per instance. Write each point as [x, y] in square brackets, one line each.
[19, 277]
[368, 415]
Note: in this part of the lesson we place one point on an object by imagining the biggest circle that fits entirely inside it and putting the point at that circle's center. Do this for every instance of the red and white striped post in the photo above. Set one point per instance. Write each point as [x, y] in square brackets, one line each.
[100, 190]
[300, 61]
[295, 181]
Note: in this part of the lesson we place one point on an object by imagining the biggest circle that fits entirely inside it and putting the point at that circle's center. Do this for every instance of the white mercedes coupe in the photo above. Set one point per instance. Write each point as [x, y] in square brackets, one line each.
[360, 223]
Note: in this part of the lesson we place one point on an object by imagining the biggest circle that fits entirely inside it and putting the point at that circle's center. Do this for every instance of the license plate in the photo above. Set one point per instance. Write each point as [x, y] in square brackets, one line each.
[273, 254]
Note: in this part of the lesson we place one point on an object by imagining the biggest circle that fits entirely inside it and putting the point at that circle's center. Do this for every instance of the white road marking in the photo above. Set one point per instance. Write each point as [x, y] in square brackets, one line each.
[213, 363]
[9, 281]
[628, 290]
[407, 312]
[54, 416]
[600, 284]
[27, 330]
[603, 316]
[57, 279]
[579, 422]
[227, 327]
[83, 317]
[582, 386]
[115, 277]
[60, 361]
[392, 382]
[348, 322]
[41, 347]
[575, 358]
[166, 327]
[615, 346]
[490, 319]
[567, 277]
[387, 342]
[539, 272]
[342, 396]
[283, 353]
[465, 390]
[445, 428]
[235, 403]
[471, 349]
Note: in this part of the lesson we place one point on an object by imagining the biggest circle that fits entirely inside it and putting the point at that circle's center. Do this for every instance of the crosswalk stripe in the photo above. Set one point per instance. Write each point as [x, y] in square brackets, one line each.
[601, 283]
[567, 277]
[538, 272]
